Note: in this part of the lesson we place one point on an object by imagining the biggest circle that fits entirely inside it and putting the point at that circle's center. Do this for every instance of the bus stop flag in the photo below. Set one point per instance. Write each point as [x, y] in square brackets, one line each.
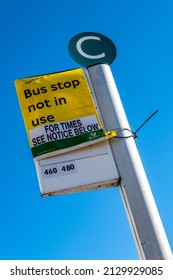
[59, 112]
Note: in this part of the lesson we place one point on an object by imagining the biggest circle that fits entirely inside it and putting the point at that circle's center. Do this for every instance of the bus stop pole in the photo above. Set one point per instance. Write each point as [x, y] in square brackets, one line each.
[144, 219]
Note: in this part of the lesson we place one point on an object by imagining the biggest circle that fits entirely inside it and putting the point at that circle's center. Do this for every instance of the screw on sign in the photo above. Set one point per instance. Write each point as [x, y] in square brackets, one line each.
[89, 48]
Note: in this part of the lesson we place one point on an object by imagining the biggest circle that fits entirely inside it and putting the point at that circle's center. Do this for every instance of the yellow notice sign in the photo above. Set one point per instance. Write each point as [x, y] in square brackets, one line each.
[59, 112]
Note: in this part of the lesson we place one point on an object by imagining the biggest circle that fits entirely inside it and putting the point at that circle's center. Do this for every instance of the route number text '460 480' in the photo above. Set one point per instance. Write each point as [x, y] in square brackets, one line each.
[59, 169]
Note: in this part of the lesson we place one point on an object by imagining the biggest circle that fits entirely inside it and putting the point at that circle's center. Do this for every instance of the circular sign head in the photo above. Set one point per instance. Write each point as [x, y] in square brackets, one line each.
[89, 48]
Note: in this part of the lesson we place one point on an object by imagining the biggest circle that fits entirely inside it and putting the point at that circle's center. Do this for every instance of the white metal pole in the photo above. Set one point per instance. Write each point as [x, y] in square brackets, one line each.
[146, 225]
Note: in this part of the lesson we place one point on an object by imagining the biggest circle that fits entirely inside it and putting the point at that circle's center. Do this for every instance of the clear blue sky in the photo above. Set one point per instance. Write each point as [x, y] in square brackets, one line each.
[34, 40]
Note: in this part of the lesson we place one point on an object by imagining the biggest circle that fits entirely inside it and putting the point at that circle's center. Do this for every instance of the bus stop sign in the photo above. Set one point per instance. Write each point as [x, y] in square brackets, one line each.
[89, 48]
